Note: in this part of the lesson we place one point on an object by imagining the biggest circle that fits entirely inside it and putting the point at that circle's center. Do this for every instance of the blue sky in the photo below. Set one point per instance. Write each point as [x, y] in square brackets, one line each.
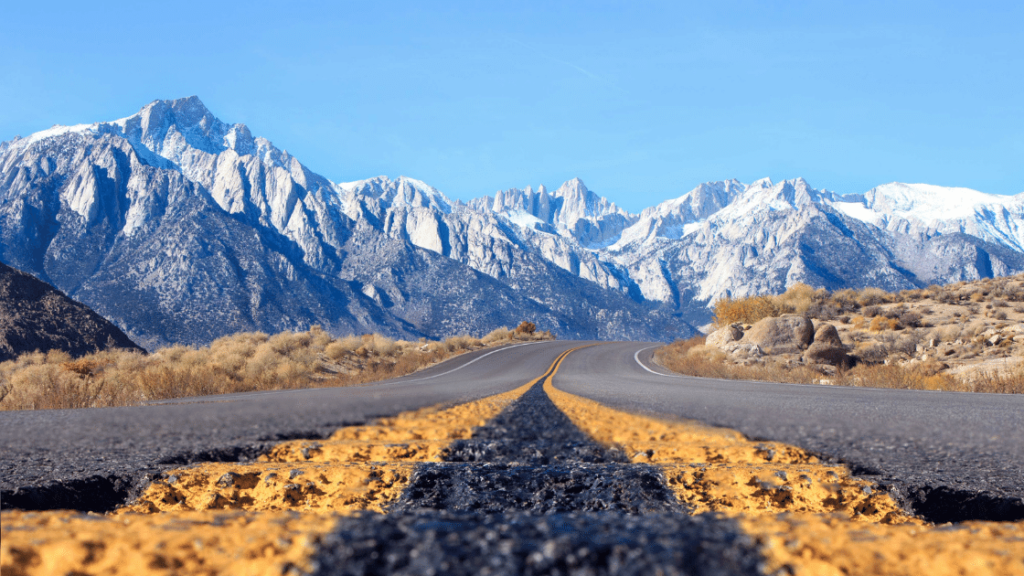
[641, 100]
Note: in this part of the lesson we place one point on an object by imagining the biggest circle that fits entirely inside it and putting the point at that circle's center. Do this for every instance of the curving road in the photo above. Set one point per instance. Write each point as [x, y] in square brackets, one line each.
[953, 456]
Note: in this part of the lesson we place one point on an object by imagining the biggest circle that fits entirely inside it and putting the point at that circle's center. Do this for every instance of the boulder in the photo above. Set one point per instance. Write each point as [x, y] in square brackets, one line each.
[828, 335]
[740, 351]
[725, 335]
[789, 334]
[827, 348]
[827, 354]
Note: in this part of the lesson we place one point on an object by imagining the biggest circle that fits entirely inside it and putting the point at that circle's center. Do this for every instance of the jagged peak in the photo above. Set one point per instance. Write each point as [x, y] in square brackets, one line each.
[574, 186]
[700, 202]
[400, 191]
[188, 112]
[152, 123]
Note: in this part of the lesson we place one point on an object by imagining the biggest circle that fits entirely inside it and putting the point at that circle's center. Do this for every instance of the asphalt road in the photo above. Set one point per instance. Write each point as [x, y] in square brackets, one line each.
[93, 459]
[953, 456]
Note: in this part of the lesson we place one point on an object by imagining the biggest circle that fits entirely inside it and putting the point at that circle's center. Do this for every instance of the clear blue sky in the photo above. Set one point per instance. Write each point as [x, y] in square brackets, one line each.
[641, 100]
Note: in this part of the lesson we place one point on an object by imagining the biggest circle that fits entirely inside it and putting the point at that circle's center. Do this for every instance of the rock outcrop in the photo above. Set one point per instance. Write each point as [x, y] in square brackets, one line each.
[35, 316]
[790, 334]
[724, 336]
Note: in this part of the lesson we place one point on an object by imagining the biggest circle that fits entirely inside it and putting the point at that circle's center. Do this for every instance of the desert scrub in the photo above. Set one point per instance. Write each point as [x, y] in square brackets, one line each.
[243, 362]
[692, 358]
[798, 299]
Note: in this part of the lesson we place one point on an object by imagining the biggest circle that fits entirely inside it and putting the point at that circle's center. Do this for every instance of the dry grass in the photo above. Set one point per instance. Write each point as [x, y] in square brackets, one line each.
[747, 310]
[690, 357]
[967, 336]
[241, 362]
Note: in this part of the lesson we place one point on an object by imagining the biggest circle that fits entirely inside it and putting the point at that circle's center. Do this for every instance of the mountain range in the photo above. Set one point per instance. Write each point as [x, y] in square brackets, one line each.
[181, 228]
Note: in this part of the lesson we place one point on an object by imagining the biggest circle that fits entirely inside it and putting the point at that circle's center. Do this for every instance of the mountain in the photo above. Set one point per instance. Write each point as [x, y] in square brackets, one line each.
[729, 239]
[34, 316]
[571, 211]
[180, 228]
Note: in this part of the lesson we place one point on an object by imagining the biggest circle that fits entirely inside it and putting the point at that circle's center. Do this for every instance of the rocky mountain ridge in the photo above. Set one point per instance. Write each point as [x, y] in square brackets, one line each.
[180, 228]
[36, 317]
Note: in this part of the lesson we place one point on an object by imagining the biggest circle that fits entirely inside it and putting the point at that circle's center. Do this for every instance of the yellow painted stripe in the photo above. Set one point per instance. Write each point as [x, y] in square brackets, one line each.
[358, 468]
[264, 517]
[807, 517]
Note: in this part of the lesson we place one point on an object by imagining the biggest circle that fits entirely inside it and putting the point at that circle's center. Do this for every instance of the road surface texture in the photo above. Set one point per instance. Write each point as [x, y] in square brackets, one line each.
[954, 455]
[548, 458]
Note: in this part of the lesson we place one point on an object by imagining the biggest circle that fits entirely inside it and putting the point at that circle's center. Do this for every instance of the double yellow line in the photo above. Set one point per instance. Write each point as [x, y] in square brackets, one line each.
[548, 377]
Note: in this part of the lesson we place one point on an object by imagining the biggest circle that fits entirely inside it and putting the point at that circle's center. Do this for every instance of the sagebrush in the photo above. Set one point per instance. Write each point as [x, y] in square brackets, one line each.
[242, 362]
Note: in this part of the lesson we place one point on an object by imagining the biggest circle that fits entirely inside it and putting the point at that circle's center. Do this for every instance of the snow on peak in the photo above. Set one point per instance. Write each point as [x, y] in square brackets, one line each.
[928, 209]
[573, 187]
[402, 191]
[681, 216]
[930, 202]
[167, 128]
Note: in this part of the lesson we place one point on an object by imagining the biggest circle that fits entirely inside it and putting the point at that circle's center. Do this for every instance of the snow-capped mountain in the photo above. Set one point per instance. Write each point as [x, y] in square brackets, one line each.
[926, 210]
[571, 211]
[763, 237]
[181, 228]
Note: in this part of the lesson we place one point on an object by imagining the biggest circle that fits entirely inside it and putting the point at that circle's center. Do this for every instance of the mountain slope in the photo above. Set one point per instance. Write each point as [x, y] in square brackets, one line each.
[35, 316]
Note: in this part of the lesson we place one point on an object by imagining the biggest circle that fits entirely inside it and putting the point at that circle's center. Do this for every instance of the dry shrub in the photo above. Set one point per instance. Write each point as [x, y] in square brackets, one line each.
[894, 376]
[947, 333]
[747, 310]
[526, 327]
[497, 335]
[463, 342]
[238, 363]
[1010, 381]
[800, 297]
[846, 299]
[339, 349]
[380, 345]
[873, 296]
[872, 353]
[879, 323]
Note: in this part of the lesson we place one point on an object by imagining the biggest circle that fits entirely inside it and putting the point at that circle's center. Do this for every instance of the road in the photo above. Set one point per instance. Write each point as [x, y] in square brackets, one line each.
[929, 444]
[93, 459]
[545, 458]
[960, 449]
